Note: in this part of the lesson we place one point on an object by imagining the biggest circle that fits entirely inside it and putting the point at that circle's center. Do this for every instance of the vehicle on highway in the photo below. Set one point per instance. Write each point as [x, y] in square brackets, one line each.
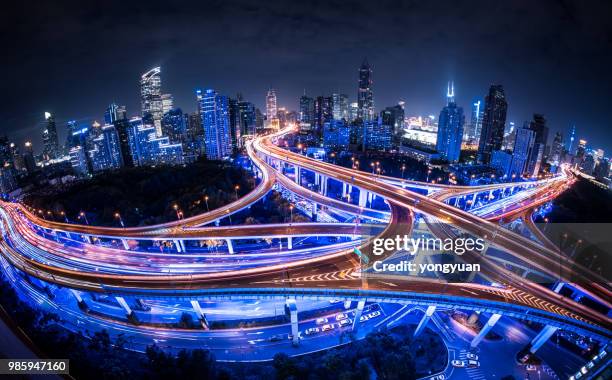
[277, 338]
[530, 367]
[471, 356]
[346, 322]
[458, 363]
[321, 321]
[341, 316]
[438, 377]
[327, 327]
[473, 364]
[312, 331]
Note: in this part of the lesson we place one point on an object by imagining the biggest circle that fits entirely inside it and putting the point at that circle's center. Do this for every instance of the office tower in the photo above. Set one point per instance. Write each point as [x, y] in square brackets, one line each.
[376, 135]
[580, 150]
[247, 118]
[174, 125]
[28, 157]
[167, 102]
[501, 160]
[78, 160]
[8, 182]
[571, 140]
[340, 108]
[450, 128]
[472, 133]
[259, 119]
[151, 99]
[148, 149]
[122, 126]
[307, 113]
[281, 115]
[323, 110]
[538, 125]
[556, 152]
[234, 123]
[365, 98]
[49, 136]
[522, 153]
[336, 134]
[214, 111]
[6, 154]
[394, 117]
[114, 112]
[271, 110]
[353, 111]
[17, 158]
[493, 123]
[105, 152]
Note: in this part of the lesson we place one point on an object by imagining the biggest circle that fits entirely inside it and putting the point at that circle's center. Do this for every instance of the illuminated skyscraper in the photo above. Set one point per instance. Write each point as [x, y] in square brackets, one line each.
[114, 112]
[340, 108]
[105, 152]
[493, 123]
[151, 98]
[394, 117]
[167, 102]
[538, 126]
[450, 128]
[571, 139]
[50, 142]
[556, 152]
[473, 132]
[215, 121]
[365, 98]
[175, 125]
[271, 109]
[307, 113]
[522, 153]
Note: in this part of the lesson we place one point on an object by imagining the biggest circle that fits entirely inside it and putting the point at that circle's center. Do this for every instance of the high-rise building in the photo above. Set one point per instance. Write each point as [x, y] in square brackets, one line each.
[78, 160]
[248, 118]
[105, 152]
[336, 134]
[148, 149]
[122, 126]
[271, 110]
[556, 152]
[394, 117]
[450, 128]
[501, 160]
[353, 111]
[571, 140]
[174, 125]
[49, 136]
[307, 113]
[522, 153]
[323, 111]
[167, 102]
[493, 123]
[6, 154]
[538, 125]
[28, 157]
[472, 133]
[214, 111]
[151, 98]
[234, 123]
[340, 108]
[376, 135]
[114, 112]
[365, 97]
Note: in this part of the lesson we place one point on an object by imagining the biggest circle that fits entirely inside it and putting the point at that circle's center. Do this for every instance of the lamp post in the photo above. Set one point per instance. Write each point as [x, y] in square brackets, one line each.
[175, 207]
[291, 210]
[236, 188]
[403, 168]
[118, 216]
[84, 216]
[206, 200]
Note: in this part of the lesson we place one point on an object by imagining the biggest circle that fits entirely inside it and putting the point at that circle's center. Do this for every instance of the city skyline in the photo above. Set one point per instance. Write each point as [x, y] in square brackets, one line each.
[420, 81]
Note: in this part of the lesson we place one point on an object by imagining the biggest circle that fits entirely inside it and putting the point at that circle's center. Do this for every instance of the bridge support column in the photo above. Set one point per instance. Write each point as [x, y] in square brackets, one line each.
[182, 244]
[289, 242]
[363, 198]
[230, 246]
[200, 313]
[87, 239]
[347, 304]
[291, 306]
[177, 245]
[314, 211]
[125, 306]
[370, 199]
[358, 312]
[126, 246]
[485, 330]
[426, 317]
[542, 337]
[297, 173]
[344, 189]
[558, 287]
[80, 301]
[324, 181]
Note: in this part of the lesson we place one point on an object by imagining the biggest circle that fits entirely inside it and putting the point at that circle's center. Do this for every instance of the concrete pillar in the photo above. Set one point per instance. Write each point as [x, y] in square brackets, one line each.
[542, 337]
[363, 197]
[87, 239]
[370, 199]
[426, 317]
[297, 173]
[80, 301]
[314, 211]
[293, 314]
[558, 286]
[358, 312]
[485, 329]
[230, 246]
[200, 313]
[126, 246]
[124, 305]
[347, 304]
[182, 244]
[177, 245]
[289, 242]
[344, 189]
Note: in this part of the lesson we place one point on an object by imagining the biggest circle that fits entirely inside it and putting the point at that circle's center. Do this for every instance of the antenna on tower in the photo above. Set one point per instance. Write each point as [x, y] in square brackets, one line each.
[450, 92]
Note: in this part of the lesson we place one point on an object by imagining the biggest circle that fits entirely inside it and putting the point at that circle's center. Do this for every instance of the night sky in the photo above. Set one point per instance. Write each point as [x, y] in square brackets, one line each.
[553, 57]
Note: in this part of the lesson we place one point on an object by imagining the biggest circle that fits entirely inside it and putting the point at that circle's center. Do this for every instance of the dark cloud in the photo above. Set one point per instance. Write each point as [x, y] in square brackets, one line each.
[553, 57]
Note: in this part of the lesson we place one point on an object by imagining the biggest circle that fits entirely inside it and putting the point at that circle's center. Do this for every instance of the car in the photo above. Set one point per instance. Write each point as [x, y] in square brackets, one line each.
[374, 314]
[603, 354]
[473, 364]
[590, 365]
[341, 316]
[471, 356]
[584, 370]
[530, 367]
[275, 338]
[458, 363]
[578, 376]
[327, 327]
[438, 377]
[364, 318]
[312, 331]
[321, 321]
[346, 322]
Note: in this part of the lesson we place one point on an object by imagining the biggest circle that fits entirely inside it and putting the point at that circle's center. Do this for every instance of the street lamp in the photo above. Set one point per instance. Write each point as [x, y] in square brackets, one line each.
[291, 210]
[84, 216]
[175, 207]
[428, 173]
[206, 200]
[403, 168]
[118, 216]
[62, 213]
[236, 190]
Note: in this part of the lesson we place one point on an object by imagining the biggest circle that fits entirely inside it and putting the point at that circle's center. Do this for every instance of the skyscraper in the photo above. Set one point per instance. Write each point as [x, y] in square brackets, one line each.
[365, 98]
[271, 109]
[323, 111]
[114, 112]
[450, 128]
[122, 126]
[538, 126]
[50, 142]
[523, 152]
[105, 152]
[174, 125]
[571, 139]
[167, 102]
[473, 132]
[493, 123]
[307, 113]
[151, 98]
[340, 108]
[556, 153]
[215, 121]
[394, 117]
